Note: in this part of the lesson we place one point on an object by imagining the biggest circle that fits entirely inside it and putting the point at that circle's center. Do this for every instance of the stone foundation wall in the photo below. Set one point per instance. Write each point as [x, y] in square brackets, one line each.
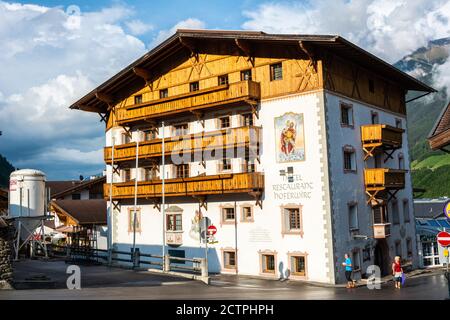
[6, 271]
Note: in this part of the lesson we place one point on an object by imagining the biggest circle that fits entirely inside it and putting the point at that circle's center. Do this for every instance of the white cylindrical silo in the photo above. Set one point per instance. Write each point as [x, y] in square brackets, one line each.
[27, 193]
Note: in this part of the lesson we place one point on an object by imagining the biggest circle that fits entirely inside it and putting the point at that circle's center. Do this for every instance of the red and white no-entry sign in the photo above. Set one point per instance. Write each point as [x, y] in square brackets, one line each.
[443, 238]
[212, 230]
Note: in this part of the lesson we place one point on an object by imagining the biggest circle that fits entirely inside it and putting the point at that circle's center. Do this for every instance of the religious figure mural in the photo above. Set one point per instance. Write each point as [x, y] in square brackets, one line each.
[289, 137]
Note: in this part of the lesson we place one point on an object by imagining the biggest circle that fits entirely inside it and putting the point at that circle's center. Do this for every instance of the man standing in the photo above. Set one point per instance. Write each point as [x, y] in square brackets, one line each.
[348, 271]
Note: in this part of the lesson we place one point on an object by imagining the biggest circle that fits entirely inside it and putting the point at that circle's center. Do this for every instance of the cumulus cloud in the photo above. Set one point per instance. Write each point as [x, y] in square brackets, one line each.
[189, 23]
[387, 28]
[137, 27]
[49, 59]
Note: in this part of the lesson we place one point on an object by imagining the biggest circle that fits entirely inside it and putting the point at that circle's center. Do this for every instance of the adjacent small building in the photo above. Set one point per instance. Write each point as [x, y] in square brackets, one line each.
[293, 146]
[430, 220]
[439, 137]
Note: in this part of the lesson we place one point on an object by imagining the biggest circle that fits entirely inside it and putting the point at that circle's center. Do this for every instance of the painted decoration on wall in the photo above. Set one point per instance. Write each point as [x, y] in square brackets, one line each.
[289, 137]
[194, 231]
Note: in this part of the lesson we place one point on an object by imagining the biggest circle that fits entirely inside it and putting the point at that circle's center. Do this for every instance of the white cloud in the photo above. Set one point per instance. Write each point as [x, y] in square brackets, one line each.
[388, 28]
[47, 63]
[137, 27]
[189, 23]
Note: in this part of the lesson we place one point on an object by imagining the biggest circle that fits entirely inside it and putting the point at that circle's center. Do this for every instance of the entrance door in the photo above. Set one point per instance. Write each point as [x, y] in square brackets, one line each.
[382, 257]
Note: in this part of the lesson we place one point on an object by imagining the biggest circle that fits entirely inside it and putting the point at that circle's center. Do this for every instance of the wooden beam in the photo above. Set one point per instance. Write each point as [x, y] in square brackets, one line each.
[309, 51]
[143, 73]
[244, 46]
[106, 98]
[190, 45]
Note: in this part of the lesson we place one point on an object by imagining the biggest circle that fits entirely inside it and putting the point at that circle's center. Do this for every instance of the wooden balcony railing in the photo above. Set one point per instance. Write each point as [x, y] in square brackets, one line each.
[192, 101]
[382, 230]
[381, 134]
[383, 178]
[201, 185]
[214, 140]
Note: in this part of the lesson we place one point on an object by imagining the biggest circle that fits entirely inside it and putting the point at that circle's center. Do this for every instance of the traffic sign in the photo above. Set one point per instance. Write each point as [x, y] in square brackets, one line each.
[447, 209]
[212, 230]
[443, 238]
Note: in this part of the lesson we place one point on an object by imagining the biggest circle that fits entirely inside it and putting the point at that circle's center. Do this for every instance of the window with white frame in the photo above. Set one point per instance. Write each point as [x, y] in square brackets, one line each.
[349, 159]
[229, 259]
[292, 220]
[353, 216]
[228, 215]
[174, 222]
[224, 122]
[247, 213]
[395, 213]
[131, 220]
[298, 265]
[268, 263]
[406, 210]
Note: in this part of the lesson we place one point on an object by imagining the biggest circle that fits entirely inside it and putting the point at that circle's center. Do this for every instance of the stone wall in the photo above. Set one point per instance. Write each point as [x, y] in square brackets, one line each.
[6, 271]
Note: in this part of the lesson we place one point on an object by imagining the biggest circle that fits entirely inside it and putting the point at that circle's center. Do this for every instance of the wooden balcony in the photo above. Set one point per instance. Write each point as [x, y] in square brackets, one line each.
[223, 95]
[197, 142]
[381, 230]
[192, 186]
[384, 178]
[440, 140]
[381, 136]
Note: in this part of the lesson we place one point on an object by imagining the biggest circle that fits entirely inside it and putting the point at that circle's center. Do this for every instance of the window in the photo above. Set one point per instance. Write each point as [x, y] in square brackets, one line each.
[395, 213]
[229, 259]
[182, 170]
[174, 222]
[356, 259]
[398, 123]
[353, 216]
[163, 93]
[225, 165]
[138, 99]
[268, 263]
[228, 214]
[131, 220]
[292, 220]
[223, 80]
[150, 174]
[346, 115]
[276, 71]
[349, 159]
[374, 117]
[246, 75]
[126, 138]
[194, 86]
[247, 119]
[401, 161]
[409, 249]
[249, 166]
[371, 86]
[126, 175]
[224, 122]
[398, 248]
[149, 135]
[247, 214]
[76, 196]
[298, 265]
[380, 214]
[378, 158]
[366, 254]
[406, 210]
[180, 129]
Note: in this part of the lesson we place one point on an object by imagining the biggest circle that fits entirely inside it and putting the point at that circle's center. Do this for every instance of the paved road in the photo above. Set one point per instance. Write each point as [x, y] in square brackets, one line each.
[100, 282]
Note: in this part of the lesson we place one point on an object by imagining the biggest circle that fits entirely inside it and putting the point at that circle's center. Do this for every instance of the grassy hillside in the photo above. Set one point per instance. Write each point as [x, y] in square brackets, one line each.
[5, 169]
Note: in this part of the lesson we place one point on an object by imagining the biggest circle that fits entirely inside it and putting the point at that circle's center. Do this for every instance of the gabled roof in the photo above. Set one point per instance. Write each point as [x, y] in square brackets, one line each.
[60, 186]
[127, 81]
[68, 187]
[83, 211]
[442, 123]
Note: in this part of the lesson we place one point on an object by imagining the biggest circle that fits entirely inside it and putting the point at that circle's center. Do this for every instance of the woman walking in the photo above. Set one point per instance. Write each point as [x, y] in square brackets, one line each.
[397, 272]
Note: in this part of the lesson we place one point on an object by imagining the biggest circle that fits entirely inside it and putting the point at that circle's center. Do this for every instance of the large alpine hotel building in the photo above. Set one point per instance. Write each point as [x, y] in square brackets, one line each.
[294, 147]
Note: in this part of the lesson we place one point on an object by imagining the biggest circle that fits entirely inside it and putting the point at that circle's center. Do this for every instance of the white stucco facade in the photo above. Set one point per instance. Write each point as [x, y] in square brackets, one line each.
[319, 189]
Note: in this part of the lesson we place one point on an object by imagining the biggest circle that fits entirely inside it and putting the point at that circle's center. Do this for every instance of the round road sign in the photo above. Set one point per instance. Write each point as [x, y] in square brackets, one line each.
[212, 230]
[447, 209]
[443, 238]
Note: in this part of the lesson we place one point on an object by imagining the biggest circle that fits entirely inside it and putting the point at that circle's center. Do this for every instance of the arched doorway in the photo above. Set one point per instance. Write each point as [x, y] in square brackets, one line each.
[382, 256]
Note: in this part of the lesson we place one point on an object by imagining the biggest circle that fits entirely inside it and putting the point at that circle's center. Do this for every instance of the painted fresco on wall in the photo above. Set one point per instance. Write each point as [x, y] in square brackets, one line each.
[289, 137]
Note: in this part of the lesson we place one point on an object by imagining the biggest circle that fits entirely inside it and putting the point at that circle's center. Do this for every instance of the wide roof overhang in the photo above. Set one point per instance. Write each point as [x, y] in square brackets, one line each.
[134, 77]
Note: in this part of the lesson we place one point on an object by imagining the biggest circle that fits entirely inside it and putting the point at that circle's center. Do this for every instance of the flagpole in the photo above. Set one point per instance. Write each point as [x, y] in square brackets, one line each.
[136, 174]
[110, 211]
[163, 162]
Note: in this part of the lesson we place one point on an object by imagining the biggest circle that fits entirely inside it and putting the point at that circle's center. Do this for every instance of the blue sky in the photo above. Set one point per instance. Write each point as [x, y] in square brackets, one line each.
[48, 59]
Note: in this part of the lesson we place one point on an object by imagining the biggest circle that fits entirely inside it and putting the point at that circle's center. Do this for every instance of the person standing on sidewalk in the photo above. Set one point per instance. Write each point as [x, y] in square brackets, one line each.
[348, 271]
[397, 272]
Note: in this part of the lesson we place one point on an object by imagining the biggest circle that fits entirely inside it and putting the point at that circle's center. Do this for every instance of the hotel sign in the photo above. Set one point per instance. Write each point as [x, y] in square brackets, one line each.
[294, 188]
